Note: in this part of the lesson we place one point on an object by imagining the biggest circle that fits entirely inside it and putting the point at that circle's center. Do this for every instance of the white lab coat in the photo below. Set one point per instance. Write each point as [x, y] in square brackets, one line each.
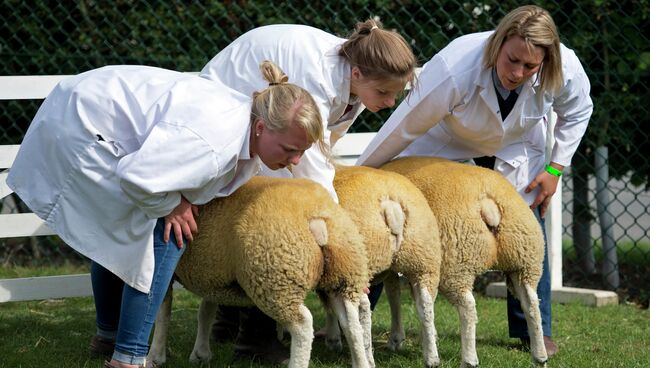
[453, 113]
[113, 149]
[310, 59]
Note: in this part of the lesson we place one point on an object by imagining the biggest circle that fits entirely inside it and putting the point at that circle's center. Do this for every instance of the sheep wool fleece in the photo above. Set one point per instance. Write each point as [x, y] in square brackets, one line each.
[401, 237]
[265, 245]
[484, 224]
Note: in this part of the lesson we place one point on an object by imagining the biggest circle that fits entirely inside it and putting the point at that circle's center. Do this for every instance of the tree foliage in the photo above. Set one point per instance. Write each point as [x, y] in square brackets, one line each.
[65, 37]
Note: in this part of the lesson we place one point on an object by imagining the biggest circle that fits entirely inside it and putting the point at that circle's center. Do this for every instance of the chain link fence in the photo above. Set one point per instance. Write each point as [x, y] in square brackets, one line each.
[606, 198]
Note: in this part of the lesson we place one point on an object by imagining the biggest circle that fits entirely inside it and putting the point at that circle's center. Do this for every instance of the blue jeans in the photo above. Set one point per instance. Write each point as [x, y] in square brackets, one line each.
[516, 321]
[375, 293]
[126, 314]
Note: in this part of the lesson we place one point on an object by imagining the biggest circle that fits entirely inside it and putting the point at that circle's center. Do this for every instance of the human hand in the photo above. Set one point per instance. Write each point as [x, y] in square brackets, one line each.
[547, 184]
[182, 220]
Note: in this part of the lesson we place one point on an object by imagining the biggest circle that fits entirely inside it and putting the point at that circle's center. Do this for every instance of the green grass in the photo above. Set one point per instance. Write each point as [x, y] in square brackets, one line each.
[55, 333]
[20, 271]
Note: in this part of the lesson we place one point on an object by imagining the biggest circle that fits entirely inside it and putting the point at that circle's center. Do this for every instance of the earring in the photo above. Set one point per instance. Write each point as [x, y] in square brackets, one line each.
[257, 134]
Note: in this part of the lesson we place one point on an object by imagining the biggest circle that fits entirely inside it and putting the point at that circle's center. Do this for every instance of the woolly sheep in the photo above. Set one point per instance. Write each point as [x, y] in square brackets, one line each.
[269, 244]
[401, 237]
[484, 224]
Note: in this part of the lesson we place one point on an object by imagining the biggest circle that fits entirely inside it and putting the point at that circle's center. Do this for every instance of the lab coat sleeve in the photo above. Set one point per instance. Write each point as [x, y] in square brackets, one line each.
[171, 159]
[428, 103]
[573, 107]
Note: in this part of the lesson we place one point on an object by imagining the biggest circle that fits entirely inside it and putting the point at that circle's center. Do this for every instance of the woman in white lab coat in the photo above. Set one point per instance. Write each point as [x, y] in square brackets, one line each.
[367, 70]
[486, 97]
[117, 158]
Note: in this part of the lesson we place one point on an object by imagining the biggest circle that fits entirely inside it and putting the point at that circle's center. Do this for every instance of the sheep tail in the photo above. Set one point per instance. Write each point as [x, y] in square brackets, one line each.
[318, 228]
[490, 213]
[395, 219]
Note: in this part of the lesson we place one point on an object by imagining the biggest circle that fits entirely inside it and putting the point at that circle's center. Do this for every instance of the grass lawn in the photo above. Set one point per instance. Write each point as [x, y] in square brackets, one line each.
[55, 333]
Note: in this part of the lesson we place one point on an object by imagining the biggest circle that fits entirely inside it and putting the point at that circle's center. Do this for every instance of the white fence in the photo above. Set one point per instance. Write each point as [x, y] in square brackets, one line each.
[347, 149]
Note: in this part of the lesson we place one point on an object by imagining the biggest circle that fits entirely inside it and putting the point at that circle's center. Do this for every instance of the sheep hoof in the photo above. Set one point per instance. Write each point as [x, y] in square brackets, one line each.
[395, 343]
[334, 344]
[200, 357]
[468, 365]
[157, 359]
[433, 364]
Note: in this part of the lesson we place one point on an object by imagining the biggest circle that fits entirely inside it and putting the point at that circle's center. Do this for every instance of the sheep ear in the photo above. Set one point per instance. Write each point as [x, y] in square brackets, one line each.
[318, 228]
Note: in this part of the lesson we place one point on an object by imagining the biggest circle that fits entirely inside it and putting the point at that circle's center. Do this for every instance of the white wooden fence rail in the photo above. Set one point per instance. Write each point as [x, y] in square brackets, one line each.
[347, 149]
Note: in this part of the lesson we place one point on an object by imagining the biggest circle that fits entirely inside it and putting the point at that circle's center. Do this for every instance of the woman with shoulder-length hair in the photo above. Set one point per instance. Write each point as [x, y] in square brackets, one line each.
[486, 97]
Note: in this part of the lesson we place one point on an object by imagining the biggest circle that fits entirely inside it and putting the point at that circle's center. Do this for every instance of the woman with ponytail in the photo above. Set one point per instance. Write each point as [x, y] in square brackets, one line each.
[117, 160]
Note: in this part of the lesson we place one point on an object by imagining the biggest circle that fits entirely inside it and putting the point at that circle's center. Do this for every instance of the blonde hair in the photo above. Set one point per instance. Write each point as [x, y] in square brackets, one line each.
[282, 104]
[379, 54]
[536, 26]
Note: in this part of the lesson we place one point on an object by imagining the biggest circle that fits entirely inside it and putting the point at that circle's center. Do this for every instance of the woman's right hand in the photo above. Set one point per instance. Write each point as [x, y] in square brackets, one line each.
[182, 220]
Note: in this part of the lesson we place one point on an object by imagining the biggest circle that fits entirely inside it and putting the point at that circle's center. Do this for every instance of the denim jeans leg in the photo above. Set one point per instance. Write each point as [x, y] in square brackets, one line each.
[107, 292]
[516, 321]
[375, 293]
[138, 310]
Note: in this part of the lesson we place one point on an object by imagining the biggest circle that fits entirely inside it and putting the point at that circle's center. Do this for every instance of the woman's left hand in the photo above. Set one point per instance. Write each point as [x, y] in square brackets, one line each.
[182, 221]
[547, 184]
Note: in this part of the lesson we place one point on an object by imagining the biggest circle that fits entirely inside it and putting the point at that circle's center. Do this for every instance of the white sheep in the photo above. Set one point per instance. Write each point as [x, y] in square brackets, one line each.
[484, 224]
[269, 244]
[401, 237]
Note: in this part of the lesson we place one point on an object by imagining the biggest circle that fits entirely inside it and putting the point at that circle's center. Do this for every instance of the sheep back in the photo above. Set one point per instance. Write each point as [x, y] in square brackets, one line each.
[484, 223]
[258, 245]
[410, 245]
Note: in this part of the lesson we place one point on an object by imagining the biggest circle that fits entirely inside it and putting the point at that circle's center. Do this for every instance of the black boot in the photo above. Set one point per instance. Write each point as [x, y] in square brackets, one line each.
[257, 338]
[226, 325]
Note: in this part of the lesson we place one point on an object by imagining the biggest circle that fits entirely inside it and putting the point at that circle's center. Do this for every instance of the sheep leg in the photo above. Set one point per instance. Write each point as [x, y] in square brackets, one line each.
[466, 306]
[348, 315]
[365, 318]
[393, 291]
[158, 349]
[302, 336]
[424, 305]
[201, 351]
[527, 296]
[332, 331]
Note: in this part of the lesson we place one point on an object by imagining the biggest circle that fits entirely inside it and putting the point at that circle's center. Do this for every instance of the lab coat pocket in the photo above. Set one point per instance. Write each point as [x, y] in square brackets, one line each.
[513, 166]
[530, 121]
[119, 148]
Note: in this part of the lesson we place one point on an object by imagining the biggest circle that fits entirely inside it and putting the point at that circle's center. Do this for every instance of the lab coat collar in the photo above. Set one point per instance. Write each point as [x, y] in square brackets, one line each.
[341, 72]
[487, 92]
[245, 153]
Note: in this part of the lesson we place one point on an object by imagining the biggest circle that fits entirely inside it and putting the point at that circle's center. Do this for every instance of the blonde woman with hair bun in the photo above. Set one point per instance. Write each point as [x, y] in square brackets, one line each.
[486, 97]
[117, 159]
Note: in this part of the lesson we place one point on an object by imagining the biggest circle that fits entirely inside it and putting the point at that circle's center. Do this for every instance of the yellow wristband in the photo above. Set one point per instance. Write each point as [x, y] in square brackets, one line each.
[553, 171]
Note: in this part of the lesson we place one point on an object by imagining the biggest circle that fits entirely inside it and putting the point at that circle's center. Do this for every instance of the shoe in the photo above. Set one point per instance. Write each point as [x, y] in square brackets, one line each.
[320, 334]
[226, 325]
[108, 364]
[257, 339]
[549, 344]
[101, 346]
[271, 351]
[224, 331]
